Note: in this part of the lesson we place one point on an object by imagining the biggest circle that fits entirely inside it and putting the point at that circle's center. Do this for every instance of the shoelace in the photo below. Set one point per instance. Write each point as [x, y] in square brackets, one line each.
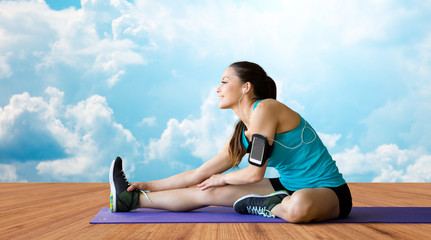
[128, 184]
[262, 211]
[124, 177]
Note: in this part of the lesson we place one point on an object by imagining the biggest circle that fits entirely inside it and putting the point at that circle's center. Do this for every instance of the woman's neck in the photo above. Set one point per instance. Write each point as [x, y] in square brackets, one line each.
[244, 109]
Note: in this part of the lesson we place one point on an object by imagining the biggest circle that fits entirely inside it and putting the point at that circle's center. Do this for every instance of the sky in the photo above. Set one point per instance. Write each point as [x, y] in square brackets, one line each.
[82, 82]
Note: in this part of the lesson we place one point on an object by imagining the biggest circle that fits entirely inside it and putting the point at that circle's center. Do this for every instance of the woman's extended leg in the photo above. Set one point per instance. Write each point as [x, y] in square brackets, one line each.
[307, 205]
[186, 199]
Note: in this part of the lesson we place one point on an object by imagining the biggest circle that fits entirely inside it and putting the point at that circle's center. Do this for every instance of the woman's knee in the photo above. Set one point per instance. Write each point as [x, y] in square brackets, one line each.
[308, 205]
[299, 208]
[211, 196]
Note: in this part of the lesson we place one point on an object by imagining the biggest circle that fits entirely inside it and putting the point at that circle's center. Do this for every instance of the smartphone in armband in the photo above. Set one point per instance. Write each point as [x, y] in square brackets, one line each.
[260, 150]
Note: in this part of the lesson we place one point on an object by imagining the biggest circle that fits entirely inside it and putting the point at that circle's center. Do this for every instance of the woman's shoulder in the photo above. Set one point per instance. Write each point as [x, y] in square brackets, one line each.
[267, 108]
[270, 104]
[286, 118]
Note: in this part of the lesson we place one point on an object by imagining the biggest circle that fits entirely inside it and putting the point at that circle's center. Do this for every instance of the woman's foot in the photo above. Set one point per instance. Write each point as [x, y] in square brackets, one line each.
[258, 204]
[121, 200]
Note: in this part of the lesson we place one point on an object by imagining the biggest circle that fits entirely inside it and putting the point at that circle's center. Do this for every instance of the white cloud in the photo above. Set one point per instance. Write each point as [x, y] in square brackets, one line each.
[149, 122]
[281, 27]
[203, 137]
[387, 163]
[94, 141]
[5, 69]
[124, 30]
[71, 142]
[82, 39]
[8, 174]
[330, 140]
[107, 36]
[405, 120]
[420, 171]
[114, 79]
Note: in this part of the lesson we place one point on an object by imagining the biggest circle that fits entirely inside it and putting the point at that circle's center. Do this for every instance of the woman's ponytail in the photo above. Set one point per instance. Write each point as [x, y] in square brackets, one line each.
[271, 91]
[236, 148]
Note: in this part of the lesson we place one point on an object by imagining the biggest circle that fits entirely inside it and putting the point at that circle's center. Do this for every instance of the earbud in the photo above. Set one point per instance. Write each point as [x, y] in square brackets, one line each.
[239, 101]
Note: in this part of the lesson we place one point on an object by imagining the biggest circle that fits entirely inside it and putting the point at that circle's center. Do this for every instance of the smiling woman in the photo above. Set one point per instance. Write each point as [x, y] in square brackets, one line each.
[310, 187]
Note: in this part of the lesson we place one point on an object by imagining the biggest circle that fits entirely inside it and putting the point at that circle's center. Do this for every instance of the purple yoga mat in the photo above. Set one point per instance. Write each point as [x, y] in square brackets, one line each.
[228, 215]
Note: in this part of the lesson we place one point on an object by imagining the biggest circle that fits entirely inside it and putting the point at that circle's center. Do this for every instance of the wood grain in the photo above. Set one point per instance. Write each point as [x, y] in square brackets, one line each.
[64, 210]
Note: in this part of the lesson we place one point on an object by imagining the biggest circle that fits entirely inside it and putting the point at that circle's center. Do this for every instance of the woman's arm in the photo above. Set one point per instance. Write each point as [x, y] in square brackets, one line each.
[217, 164]
[264, 121]
[248, 175]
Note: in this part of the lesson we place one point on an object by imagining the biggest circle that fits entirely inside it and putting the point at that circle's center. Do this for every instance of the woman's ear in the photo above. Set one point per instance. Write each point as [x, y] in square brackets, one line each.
[246, 88]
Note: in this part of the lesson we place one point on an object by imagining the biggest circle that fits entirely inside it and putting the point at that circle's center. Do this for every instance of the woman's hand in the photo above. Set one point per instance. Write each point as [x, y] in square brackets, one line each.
[140, 186]
[216, 180]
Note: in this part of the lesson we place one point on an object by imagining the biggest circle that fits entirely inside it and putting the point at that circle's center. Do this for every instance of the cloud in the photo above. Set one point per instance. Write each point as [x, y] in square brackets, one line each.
[405, 120]
[387, 163]
[400, 127]
[98, 139]
[70, 142]
[114, 79]
[8, 174]
[420, 171]
[106, 37]
[23, 130]
[5, 69]
[201, 137]
[83, 39]
[88, 42]
[330, 140]
[307, 27]
[149, 122]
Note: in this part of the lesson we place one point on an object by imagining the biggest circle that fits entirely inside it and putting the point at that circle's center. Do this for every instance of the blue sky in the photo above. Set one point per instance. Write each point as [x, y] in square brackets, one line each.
[84, 81]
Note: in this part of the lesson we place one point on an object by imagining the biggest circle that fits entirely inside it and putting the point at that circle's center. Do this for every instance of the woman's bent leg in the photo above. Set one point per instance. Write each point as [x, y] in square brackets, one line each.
[306, 205]
[186, 199]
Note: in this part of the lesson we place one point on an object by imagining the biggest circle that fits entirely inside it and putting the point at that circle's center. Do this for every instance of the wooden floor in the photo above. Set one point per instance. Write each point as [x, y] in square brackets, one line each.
[64, 210]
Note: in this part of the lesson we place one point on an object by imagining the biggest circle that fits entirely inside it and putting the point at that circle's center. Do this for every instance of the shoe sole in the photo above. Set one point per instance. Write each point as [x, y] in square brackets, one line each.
[260, 196]
[113, 197]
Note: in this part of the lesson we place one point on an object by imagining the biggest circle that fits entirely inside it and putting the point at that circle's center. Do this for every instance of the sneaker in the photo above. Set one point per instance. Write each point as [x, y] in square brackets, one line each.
[258, 204]
[121, 200]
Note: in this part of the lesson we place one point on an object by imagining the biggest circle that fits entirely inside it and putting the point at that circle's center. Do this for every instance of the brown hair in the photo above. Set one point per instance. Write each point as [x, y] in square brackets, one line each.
[263, 87]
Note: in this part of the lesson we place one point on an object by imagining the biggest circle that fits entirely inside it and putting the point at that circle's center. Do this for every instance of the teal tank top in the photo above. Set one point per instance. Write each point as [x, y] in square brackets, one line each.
[306, 163]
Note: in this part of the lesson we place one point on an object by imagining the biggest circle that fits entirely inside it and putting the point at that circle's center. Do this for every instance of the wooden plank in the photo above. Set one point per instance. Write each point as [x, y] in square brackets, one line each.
[64, 210]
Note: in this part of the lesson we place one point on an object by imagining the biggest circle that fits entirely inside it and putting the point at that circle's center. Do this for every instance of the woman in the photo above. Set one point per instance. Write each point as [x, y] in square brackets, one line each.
[310, 187]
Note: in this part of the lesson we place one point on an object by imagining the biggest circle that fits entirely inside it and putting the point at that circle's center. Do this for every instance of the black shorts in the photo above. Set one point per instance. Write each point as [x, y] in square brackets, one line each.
[342, 192]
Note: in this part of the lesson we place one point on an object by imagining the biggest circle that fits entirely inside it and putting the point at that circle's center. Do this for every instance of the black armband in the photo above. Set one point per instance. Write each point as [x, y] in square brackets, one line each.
[259, 150]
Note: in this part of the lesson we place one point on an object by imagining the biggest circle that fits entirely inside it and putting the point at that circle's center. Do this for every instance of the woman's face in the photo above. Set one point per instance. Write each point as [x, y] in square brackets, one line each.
[230, 89]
